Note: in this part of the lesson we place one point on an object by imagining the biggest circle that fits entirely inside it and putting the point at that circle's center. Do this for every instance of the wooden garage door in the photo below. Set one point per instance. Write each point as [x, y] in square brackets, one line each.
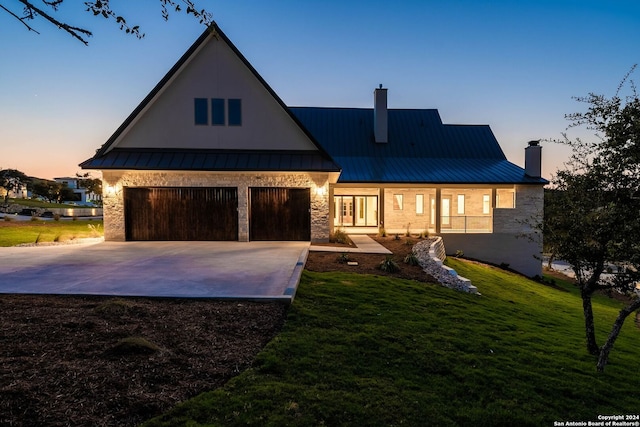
[181, 213]
[280, 214]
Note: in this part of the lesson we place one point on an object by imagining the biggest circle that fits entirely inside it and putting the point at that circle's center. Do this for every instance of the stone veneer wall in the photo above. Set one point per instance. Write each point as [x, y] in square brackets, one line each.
[529, 210]
[114, 181]
[514, 240]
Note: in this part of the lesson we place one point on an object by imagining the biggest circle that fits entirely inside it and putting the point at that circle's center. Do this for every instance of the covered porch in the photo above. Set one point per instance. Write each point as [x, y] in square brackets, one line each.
[405, 208]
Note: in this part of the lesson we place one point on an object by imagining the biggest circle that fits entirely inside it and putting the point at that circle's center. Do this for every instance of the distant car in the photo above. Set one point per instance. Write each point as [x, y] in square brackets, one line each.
[47, 214]
[28, 212]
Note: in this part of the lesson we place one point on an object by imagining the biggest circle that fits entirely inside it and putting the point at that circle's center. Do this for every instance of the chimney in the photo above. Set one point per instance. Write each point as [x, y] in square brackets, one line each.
[380, 115]
[533, 160]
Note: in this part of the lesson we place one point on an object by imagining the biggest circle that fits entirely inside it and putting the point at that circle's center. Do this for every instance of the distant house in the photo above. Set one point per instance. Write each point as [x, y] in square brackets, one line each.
[20, 193]
[80, 194]
[212, 153]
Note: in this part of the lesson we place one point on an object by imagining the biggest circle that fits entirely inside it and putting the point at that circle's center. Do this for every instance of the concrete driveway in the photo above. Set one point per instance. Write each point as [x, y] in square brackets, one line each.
[243, 270]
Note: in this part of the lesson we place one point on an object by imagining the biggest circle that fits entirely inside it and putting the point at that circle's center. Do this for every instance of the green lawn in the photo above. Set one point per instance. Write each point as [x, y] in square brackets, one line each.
[373, 351]
[15, 232]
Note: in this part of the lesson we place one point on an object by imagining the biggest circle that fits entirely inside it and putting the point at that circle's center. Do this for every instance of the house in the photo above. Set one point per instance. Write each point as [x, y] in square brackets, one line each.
[212, 153]
[19, 193]
[81, 195]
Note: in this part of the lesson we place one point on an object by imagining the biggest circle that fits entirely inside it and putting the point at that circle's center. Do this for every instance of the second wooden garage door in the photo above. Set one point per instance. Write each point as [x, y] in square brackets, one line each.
[280, 214]
[181, 213]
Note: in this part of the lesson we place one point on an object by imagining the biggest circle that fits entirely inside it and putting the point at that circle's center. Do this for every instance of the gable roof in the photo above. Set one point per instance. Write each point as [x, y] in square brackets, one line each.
[421, 149]
[103, 159]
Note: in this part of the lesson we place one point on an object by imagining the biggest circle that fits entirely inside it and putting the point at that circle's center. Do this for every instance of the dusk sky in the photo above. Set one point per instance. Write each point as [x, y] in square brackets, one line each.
[514, 65]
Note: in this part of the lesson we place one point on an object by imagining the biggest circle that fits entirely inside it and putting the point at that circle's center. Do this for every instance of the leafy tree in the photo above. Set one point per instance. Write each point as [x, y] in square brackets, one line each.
[93, 185]
[26, 11]
[12, 180]
[52, 191]
[551, 225]
[596, 203]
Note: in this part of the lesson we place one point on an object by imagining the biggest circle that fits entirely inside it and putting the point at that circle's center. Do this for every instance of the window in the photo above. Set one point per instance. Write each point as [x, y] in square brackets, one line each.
[446, 212]
[460, 204]
[201, 111]
[217, 112]
[397, 202]
[432, 202]
[419, 204]
[486, 204]
[223, 111]
[235, 112]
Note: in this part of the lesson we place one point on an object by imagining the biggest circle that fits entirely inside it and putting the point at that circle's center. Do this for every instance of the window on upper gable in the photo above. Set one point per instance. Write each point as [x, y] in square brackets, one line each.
[201, 111]
[235, 112]
[217, 112]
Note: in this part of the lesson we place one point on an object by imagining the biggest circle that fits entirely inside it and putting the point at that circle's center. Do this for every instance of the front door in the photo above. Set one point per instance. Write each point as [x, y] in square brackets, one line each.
[358, 211]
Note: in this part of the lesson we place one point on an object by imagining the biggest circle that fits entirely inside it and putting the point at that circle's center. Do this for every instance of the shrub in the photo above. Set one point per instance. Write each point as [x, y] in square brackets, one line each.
[134, 345]
[459, 253]
[396, 237]
[382, 232]
[411, 259]
[114, 307]
[343, 258]
[56, 217]
[8, 218]
[62, 238]
[389, 265]
[35, 218]
[408, 242]
[408, 232]
[95, 231]
[339, 236]
[424, 234]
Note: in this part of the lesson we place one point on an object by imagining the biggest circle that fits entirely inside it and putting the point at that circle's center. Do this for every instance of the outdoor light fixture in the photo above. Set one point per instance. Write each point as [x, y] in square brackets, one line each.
[110, 190]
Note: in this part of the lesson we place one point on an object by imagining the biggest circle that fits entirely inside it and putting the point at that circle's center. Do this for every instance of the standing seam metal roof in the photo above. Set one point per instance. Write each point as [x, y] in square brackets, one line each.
[421, 149]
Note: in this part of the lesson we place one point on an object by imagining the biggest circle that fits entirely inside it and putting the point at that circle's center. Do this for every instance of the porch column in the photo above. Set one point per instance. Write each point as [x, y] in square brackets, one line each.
[438, 209]
[380, 207]
[494, 197]
[332, 208]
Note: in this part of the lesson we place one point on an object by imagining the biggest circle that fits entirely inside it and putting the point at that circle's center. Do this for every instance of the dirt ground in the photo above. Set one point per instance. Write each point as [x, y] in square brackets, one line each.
[100, 361]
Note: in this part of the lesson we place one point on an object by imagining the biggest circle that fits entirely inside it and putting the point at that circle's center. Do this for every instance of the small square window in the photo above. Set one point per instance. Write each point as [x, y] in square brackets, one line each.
[235, 112]
[201, 111]
[217, 112]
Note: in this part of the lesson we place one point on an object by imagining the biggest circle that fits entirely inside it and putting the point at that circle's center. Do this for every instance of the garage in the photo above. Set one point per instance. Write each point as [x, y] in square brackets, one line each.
[280, 214]
[181, 213]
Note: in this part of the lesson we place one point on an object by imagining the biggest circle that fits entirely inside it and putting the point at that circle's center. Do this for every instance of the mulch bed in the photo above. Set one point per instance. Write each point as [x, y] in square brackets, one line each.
[103, 361]
[369, 263]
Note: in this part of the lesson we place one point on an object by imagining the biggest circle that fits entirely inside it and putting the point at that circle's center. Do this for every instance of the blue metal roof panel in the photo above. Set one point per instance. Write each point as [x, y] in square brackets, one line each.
[420, 149]
[214, 160]
[434, 171]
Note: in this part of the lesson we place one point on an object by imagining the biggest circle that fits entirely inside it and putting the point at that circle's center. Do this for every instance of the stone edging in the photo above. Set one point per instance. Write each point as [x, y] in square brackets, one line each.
[427, 253]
